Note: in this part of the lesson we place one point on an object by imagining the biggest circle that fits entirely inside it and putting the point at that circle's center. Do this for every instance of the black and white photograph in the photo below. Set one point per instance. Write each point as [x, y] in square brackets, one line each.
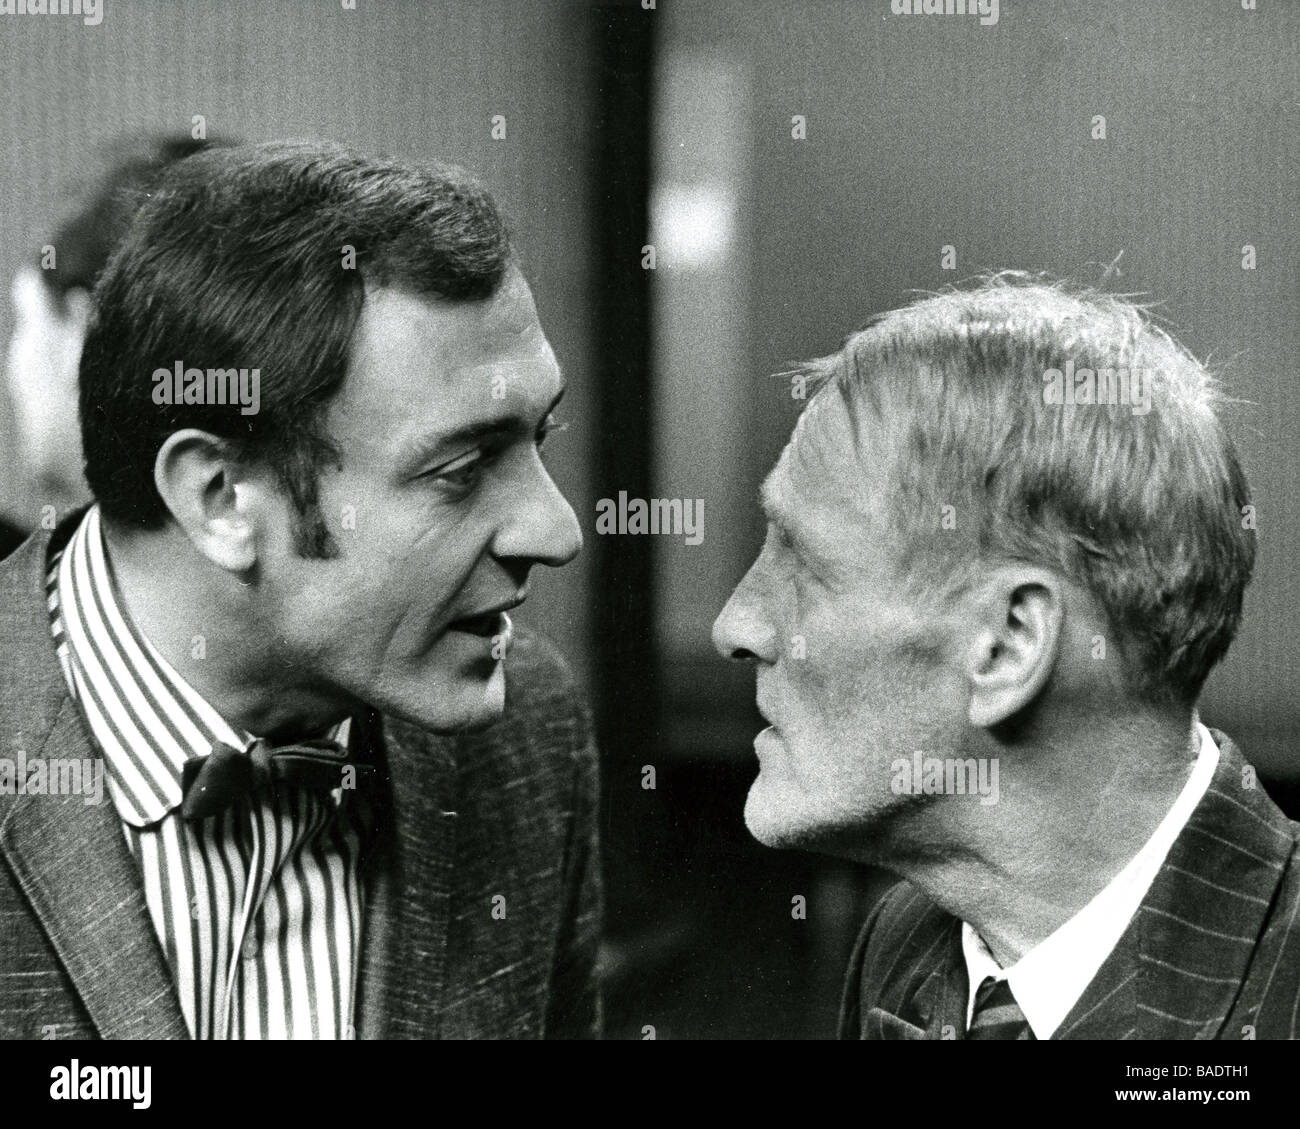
[688, 521]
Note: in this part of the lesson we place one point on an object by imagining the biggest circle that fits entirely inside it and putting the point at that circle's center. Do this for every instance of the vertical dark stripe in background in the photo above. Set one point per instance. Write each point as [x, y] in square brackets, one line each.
[624, 668]
[624, 614]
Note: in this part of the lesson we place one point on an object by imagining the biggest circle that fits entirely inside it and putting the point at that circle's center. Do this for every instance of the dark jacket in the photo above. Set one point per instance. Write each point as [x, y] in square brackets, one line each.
[1212, 953]
[508, 811]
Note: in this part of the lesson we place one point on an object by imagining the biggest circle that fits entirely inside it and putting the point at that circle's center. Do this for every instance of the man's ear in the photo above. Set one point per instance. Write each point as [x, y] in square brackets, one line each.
[200, 485]
[1017, 646]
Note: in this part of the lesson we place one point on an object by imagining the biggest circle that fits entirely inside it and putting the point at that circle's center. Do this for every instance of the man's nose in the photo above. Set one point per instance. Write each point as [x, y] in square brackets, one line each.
[542, 526]
[742, 632]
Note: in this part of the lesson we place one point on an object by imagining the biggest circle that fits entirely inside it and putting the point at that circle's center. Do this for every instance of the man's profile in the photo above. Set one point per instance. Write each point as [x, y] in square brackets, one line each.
[343, 797]
[1007, 542]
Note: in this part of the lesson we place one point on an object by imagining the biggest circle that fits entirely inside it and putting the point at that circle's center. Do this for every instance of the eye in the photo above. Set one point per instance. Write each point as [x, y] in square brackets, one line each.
[463, 474]
[787, 555]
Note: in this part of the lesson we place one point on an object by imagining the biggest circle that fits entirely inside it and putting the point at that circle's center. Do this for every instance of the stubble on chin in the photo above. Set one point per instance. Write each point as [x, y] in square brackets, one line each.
[788, 819]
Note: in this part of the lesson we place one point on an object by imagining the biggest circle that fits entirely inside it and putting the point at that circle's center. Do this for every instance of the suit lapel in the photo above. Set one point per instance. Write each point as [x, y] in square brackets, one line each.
[1180, 965]
[1222, 874]
[906, 977]
[69, 857]
[1108, 1008]
[407, 873]
[940, 1003]
[880, 1025]
[71, 861]
[934, 1002]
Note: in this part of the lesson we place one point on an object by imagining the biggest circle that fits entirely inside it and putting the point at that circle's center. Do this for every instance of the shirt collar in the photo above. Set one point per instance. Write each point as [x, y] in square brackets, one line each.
[145, 716]
[1049, 979]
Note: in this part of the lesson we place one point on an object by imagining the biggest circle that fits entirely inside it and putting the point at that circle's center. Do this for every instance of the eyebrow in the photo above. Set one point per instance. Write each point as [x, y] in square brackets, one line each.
[428, 447]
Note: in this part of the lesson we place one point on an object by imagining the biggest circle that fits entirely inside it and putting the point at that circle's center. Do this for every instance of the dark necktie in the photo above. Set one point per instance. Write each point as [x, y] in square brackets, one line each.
[997, 1015]
[211, 784]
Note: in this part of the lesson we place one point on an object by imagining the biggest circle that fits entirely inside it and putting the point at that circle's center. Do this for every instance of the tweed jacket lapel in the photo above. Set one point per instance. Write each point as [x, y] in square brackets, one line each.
[407, 874]
[1179, 967]
[72, 863]
[70, 857]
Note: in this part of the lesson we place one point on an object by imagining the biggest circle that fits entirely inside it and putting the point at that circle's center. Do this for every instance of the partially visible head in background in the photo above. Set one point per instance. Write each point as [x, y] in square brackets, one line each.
[1005, 506]
[51, 302]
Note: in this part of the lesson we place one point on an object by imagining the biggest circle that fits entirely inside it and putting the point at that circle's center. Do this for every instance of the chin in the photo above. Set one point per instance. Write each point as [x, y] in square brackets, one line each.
[462, 705]
[775, 816]
[782, 815]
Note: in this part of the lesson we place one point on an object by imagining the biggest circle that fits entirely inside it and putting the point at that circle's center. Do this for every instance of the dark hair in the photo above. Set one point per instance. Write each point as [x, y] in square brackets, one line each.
[84, 240]
[258, 257]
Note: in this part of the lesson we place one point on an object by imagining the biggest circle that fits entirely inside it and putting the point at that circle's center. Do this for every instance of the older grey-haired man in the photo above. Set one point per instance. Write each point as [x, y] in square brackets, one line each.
[1006, 544]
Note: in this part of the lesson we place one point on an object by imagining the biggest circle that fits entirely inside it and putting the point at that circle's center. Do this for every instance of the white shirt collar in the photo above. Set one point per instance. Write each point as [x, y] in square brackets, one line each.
[1048, 980]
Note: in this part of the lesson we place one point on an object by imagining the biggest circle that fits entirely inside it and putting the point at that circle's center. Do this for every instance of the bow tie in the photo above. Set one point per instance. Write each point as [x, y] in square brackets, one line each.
[211, 784]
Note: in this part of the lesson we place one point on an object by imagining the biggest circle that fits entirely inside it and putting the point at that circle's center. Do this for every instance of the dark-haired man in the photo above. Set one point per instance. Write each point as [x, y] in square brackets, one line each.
[343, 797]
[50, 293]
[1006, 544]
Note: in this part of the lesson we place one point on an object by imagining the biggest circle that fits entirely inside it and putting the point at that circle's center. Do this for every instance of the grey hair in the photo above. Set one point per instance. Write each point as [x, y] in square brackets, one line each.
[1148, 510]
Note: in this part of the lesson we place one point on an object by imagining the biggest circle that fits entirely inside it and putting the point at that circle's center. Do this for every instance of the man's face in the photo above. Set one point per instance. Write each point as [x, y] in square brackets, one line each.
[441, 508]
[852, 672]
[41, 372]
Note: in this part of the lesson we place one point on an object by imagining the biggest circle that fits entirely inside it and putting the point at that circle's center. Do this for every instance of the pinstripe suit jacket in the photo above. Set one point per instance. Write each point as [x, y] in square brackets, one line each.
[1212, 953]
[508, 811]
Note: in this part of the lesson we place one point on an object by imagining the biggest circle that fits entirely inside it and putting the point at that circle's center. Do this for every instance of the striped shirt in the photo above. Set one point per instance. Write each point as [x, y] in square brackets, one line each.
[258, 909]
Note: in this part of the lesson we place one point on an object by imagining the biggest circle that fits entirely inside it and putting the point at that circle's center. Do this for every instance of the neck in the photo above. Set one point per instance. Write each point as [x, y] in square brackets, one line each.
[1073, 812]
[207, 624]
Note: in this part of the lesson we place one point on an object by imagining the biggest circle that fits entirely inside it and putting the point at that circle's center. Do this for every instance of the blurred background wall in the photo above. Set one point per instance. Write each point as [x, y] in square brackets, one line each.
[684, 245]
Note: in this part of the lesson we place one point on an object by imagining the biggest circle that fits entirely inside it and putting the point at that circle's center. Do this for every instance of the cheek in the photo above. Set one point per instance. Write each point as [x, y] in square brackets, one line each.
[399, 578]
[829, 637]
[362, 618]
[401, 560]
[851, 676]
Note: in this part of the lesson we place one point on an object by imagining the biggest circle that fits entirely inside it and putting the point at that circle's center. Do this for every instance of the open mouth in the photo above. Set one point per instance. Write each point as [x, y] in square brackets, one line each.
[486, 625]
